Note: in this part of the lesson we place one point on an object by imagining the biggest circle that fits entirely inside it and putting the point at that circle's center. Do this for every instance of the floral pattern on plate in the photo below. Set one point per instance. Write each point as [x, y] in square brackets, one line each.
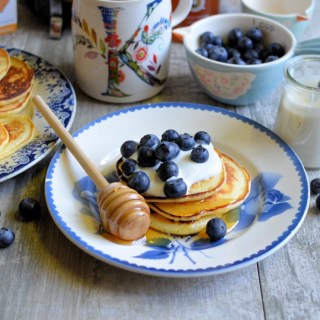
[58, 92]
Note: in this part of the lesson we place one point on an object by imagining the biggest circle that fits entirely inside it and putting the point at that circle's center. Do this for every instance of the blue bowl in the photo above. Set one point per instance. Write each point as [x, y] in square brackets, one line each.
[236, 84]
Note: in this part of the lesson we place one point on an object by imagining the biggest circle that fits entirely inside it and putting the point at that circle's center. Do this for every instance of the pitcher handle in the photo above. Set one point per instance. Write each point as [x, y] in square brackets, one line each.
[181, 12]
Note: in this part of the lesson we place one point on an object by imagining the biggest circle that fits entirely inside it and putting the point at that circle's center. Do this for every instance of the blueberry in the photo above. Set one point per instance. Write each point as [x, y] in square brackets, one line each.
[216, 229]
[7, 237]
[146, 157]
[271, 58]
[175, 188]
[276, 49]
[167, 151]
[139, 181]
[128, 167]
[244, 44]
[186, 142]
[234, 35]
[207, 37]
[218, 53]
[149, 140]
[203, 52]
[202, 137]
[112, 177]
[167, 170]
[29, 209]
[255, 34]
[236, 60]
[128, 148]
[217, 41]
[199, 154]
[258, 47]
[315, 186]
[254, 61]
[170, 135]
[233, 53]
[318, 202]
[250, 54]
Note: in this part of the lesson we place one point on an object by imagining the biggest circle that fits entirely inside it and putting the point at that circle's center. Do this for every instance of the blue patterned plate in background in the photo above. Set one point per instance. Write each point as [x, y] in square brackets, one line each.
[270, 216]
[58, 92]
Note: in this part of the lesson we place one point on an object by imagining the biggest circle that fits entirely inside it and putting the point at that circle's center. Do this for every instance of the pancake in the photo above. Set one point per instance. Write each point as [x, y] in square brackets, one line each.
[185, 218]
[17, 82]
[15, 107]
[4, 136]
[197, 191]
[5, 62]
[21, 130]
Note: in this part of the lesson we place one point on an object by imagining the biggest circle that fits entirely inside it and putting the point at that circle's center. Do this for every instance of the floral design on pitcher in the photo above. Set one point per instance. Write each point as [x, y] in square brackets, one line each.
[119, 53]
[225, 85]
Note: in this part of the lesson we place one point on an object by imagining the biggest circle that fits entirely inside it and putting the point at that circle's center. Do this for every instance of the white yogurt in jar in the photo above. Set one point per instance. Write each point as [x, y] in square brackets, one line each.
[298, 121]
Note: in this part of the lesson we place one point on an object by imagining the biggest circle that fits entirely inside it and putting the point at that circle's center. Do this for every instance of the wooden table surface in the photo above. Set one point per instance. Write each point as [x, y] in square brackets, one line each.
[44, 276]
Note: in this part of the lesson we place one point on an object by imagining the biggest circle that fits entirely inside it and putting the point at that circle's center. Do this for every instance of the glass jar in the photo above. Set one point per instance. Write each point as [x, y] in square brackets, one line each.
[298, 118]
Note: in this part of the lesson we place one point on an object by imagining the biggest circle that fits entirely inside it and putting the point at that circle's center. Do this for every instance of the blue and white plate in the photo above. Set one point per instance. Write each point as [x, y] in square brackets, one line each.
[57, 91]
[272, 214]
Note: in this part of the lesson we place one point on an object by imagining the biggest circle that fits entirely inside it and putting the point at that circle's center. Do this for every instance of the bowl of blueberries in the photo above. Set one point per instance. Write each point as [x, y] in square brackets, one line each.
[237, 59]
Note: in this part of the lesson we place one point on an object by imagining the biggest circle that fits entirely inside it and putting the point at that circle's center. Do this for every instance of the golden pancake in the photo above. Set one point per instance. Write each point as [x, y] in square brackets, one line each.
[21, 130]
[15, 107]
[17, 82]
[5, 62]
[190, 217]
[197, 191]
[4, 136]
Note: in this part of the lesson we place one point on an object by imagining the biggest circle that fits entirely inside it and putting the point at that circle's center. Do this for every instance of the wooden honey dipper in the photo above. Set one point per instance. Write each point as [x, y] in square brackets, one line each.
[124, 212]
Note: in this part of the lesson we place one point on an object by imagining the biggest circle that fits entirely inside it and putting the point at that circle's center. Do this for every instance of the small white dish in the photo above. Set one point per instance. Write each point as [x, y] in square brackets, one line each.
[272, 214]
[57, 91]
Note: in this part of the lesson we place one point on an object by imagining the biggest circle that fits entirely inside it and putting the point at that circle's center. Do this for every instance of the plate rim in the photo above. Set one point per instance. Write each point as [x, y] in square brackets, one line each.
[30, 164]
[286, 235]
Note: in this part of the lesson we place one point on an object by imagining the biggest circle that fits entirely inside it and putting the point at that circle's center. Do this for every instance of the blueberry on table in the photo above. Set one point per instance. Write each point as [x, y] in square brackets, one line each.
[234, 35]
[29, 209]
[149, 140]
[218, 53]
[255, 34]
[139, 181]
[147, 157]
[202, 137]
[315, 186]
[199, 154]
[128, 167]
[175, 188]
[216, 229]
[167, 170]
[167, 151]
[318, 202]
[7, 237]
[128, 148]
[186, 142]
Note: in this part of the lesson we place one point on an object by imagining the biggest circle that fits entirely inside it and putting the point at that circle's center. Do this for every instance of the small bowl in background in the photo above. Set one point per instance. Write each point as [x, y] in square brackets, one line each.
[230, 83]
[294, 14]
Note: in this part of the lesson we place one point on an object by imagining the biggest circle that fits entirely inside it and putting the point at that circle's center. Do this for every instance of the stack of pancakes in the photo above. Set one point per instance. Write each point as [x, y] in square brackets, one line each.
[205, 200]
[16, 83]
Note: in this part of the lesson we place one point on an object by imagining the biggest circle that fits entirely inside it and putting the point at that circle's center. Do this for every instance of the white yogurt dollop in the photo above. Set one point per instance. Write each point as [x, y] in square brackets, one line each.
[190, 171]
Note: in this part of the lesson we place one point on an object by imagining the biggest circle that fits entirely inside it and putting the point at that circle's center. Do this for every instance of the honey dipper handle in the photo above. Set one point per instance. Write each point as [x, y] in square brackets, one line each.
[88, 166]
